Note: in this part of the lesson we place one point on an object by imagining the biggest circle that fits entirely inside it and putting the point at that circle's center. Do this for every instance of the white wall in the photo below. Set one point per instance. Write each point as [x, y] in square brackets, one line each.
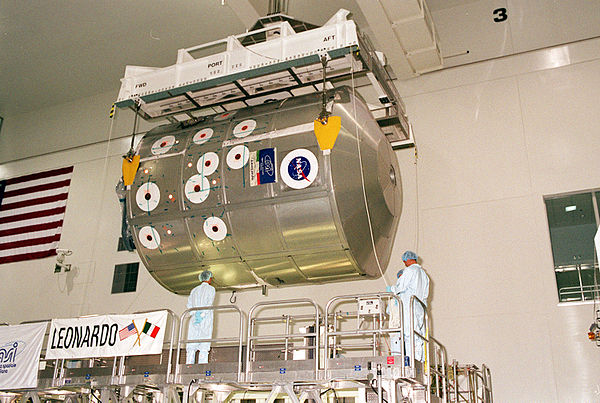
[492, 137]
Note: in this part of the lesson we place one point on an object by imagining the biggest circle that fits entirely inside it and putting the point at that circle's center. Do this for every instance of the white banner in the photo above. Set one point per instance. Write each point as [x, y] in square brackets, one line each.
[107, 336]
[20, 348]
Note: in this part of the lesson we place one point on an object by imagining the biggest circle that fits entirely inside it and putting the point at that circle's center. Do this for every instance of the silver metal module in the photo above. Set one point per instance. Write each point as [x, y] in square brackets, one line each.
[248, 195]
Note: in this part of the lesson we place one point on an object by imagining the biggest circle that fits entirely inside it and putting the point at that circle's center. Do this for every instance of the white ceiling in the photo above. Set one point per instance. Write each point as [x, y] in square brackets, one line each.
[55, 51]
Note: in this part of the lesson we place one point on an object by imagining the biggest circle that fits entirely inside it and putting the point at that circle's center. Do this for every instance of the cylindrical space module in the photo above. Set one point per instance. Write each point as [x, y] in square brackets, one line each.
[248, 195]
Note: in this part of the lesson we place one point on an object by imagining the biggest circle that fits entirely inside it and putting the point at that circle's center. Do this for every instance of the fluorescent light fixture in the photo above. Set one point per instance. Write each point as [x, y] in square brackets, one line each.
[570, 208]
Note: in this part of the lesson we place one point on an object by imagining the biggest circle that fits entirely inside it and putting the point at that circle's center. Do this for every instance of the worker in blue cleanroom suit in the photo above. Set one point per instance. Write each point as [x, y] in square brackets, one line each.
[201, 322]
[413, 281]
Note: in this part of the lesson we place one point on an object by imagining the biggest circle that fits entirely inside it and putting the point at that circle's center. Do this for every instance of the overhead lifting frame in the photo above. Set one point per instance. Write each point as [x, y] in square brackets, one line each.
[264, 65]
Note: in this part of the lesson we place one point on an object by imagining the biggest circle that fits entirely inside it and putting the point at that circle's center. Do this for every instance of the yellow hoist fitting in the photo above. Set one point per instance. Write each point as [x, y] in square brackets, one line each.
[130, 167]
[326, 131]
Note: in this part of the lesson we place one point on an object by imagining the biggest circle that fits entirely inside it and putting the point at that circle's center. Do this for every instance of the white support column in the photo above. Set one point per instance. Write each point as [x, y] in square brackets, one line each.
[405, 32]
[108, 395]
[597, 243]
[194, 393]
[314, 394]
[290, 392]
[274, 393]
[389, 385]
[230, 396]
[361, 396]
[127, 393]
[221, 396]
[170, 394]
[30, 395]
[71, 399]
[385, 37]
[244, 10]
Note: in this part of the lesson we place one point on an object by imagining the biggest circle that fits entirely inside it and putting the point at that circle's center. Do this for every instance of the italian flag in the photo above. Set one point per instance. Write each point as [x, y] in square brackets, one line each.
[150, 329]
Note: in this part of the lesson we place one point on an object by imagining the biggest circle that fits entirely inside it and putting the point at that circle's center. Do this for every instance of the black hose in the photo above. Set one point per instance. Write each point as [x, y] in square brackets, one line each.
[334, 394]
[95, 397]
[189, 388]
[375, 390]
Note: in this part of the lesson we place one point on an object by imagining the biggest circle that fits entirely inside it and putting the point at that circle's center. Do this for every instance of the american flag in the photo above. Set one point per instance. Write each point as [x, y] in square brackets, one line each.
[127, 331]
[32, 208]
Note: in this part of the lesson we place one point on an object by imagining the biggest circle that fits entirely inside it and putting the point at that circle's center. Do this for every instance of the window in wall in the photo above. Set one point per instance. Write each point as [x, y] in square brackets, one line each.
[573, 221]
[125, 278]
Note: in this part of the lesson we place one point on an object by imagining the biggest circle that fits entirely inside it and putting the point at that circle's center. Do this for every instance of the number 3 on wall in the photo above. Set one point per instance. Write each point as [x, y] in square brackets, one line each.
[500, 15]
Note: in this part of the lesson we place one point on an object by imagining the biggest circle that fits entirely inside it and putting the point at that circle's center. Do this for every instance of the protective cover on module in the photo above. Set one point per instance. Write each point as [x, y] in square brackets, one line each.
[248, 195]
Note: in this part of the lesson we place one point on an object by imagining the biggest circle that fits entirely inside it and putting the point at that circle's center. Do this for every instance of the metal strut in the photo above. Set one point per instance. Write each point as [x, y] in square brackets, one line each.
[324, 115]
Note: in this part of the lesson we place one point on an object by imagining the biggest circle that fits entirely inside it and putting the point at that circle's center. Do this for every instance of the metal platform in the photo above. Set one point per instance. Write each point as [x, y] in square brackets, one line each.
[292, 360]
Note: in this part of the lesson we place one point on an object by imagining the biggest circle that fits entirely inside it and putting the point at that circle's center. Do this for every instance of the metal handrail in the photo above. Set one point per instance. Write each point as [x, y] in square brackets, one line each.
[487, 379]
[458, 395]
[380, 331]
[483, 392]
[440, 375]
[276, 25]
[478, 383]
[424, 337]
[185, 318]
[477, 389]
[251, 321]
[280, 317]
[577, 291]
[174, 325]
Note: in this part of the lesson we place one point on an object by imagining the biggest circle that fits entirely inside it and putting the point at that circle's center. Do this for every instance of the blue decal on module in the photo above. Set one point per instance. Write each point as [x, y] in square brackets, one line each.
[299, 168]
[266, 166]
[263, 166]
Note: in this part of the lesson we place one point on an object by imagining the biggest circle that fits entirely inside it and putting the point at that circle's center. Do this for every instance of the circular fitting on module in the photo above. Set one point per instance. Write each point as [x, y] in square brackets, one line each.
[244, 128]
[207, 163]
[299, 168]
[163, 145]
[197, 189]
[148, 196]
[215, 228]
[203, 135]
[238, 156]
[149, 237]
[224, 116]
